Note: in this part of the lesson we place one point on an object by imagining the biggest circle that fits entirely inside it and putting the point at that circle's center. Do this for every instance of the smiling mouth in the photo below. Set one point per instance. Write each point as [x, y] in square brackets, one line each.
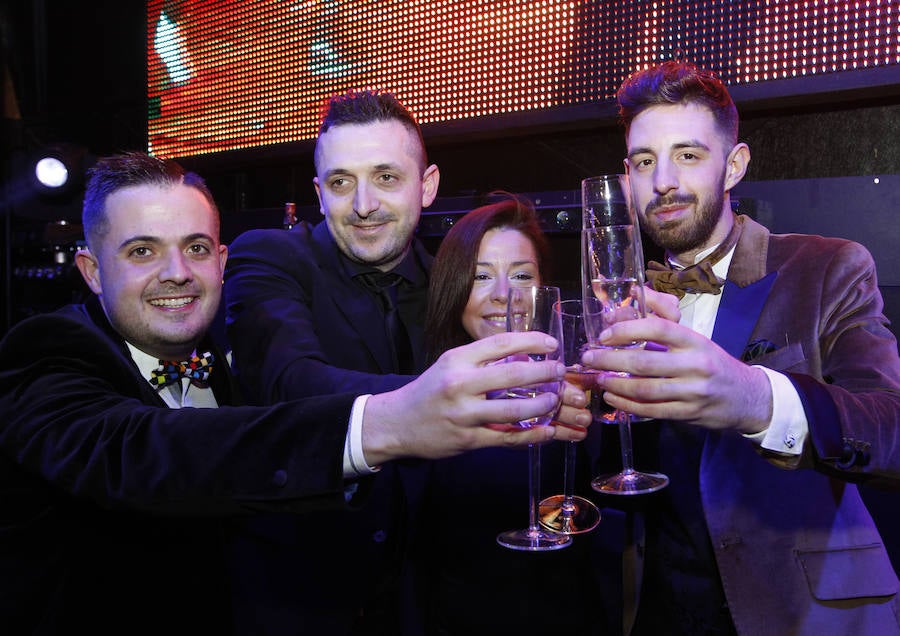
[173, 303]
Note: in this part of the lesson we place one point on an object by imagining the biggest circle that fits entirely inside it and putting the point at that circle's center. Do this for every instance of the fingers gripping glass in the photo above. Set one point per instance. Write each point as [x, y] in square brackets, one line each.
[613, 274]
[534, 309]
[567, 512]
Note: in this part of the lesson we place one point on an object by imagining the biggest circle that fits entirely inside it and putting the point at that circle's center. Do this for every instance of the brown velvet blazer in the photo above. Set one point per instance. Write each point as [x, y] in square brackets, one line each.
[795, 547]
[797, 551]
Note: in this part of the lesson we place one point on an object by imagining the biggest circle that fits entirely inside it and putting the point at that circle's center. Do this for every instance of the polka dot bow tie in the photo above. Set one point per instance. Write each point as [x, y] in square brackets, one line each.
[197, 369]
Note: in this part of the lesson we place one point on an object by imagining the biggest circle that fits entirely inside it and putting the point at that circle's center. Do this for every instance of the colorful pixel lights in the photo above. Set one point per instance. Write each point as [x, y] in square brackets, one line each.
[232, 74]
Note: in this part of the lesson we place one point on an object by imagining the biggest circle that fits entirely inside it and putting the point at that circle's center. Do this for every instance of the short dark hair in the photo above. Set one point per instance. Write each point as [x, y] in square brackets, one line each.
[453, 271]
[675, 82]
[113, 173]
[366, 107]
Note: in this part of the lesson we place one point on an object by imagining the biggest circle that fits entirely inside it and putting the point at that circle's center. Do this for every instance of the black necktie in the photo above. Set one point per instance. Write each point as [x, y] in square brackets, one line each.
[386, 286]
[699, 277]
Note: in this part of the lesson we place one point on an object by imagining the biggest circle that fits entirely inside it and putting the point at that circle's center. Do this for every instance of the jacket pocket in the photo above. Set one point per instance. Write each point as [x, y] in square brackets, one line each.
[863, 571]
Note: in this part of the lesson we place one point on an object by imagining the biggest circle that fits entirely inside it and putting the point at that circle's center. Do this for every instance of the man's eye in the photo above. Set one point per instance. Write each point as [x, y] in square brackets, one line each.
[198, 249]
[140, 251]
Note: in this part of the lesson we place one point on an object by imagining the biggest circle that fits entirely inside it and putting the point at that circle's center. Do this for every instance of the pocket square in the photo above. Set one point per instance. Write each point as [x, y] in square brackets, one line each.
[756, 349]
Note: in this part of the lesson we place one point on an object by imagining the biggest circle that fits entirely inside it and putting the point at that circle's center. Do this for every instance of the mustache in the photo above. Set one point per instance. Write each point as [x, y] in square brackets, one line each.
[375, 218]
[674, 199]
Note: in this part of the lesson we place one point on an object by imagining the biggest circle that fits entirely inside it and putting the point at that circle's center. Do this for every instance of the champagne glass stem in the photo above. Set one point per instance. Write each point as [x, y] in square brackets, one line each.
[568, 504]
[625, 442]
[534, 481]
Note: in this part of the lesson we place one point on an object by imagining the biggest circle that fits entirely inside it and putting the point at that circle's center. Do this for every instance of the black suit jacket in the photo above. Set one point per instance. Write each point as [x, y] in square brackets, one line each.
[113, 507]
[299, 325]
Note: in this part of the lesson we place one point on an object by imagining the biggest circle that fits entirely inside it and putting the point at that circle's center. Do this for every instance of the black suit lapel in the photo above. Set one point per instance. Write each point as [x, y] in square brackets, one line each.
[359, 308]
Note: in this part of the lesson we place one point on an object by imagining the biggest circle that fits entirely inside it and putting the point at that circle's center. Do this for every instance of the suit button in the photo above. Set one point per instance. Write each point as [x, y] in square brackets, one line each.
[379, 536]
[280, 478]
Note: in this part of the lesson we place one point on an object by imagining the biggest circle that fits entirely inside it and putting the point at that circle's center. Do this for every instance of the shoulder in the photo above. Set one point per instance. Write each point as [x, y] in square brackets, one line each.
[71, 331]
[817, 249]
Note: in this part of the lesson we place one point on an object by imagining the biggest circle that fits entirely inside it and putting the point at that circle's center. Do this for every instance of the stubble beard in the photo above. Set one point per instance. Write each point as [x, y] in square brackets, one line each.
[680, 236]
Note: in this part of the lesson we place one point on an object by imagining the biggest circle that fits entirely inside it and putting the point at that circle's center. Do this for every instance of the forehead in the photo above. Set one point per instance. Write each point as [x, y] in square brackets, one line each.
[160, 211]
[505, 244]
[659, 128]
[354, 147]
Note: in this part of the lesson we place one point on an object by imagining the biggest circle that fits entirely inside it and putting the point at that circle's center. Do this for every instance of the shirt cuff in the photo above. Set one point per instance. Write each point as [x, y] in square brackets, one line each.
[354, 459]
[788, 428]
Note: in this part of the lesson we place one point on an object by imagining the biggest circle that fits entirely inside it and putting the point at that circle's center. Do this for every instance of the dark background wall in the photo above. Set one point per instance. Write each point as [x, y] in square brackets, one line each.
[77, 74]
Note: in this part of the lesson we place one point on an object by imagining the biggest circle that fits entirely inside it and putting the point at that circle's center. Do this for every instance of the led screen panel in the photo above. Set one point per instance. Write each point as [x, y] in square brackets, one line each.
[231, 74]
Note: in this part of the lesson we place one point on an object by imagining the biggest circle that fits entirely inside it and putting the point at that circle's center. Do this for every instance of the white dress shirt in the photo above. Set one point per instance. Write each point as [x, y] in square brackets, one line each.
[788, 428]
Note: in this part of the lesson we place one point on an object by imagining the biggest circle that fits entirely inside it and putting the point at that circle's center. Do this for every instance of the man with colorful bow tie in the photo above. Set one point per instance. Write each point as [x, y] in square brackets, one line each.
[776, 393]
[115, 499]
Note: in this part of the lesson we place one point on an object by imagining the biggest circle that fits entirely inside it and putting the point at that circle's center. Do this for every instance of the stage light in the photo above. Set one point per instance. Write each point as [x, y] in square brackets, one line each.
[51, 172]
[58, 169]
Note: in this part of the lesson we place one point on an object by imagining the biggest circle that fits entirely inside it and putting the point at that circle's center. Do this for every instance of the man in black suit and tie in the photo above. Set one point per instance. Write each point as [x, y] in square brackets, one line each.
[307, 315]
[117, 489]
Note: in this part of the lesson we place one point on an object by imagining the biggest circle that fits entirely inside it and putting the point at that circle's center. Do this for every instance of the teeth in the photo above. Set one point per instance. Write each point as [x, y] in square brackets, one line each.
[172, 302]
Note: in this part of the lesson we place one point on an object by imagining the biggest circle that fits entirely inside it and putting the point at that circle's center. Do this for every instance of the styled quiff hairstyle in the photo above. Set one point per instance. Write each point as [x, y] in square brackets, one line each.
[678, 83]
[111, 174]
[366, 107]
[453, 271]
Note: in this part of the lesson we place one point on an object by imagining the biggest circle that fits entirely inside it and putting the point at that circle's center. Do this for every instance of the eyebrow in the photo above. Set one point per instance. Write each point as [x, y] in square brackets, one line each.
[691, 143]
[381, 167]
[514, 264]
[155, 239]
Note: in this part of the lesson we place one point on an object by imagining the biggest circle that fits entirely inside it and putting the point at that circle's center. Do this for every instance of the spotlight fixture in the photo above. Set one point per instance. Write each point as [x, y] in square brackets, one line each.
[58, 169]
[51, 172]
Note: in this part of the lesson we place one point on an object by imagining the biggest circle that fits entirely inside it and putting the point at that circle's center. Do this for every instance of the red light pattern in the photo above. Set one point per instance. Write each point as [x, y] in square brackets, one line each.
[230, 74]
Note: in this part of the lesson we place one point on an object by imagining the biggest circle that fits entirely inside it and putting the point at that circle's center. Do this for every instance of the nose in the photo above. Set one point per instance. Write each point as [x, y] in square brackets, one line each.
[665, 177]
[175, 268]
[364, 200]
[500, 290]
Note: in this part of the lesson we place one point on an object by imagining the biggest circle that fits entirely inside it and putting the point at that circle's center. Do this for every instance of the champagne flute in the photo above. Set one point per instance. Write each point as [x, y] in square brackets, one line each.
[613, 273]
[534, 309]
[567, 512]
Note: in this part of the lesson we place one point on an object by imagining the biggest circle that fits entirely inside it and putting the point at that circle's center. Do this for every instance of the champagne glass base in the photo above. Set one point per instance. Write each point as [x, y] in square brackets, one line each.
[630, 483]
[533, 540]
[583, 518]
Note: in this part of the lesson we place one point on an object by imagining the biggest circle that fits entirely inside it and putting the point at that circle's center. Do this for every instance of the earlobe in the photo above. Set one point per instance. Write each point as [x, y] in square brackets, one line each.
[87, 265]
[223, 257]
[430, 181]
[738, 160]
[319, 195]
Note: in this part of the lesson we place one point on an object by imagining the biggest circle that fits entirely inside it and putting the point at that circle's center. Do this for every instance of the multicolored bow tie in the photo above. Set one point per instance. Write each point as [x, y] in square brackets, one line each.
[197, 369]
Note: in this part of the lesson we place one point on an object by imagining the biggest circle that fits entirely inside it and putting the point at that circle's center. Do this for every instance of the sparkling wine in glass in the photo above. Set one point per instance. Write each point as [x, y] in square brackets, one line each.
[613, 273]
[567, 512]
[534, 309]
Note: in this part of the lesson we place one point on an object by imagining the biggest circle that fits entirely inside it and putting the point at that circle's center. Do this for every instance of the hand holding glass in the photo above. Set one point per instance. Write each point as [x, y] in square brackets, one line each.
[534, 309]
[568, 513]
[613, 273]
